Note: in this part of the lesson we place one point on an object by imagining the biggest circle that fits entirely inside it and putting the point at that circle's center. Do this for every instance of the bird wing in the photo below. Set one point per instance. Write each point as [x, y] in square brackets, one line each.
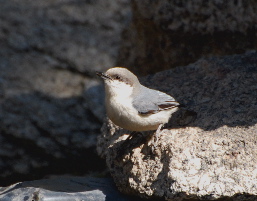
[151, 101]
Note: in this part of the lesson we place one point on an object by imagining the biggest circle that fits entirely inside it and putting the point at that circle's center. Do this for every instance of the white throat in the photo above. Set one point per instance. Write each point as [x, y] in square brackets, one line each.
[117, 89]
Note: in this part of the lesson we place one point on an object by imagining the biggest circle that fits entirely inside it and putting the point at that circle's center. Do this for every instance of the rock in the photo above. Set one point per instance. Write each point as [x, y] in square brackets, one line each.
[208, 150]
[165, 34]
[48, 89]
[69, 33]
[64, 188]
[94, 94]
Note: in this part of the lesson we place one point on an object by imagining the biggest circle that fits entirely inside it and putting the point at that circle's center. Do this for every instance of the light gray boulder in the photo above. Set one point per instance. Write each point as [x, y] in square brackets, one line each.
[209, 150]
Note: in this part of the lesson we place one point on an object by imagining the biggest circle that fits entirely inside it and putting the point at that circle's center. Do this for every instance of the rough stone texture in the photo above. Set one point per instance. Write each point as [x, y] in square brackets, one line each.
[65, 189]
[211, 155]
[168, 33]
[70, 32]
[49, 53]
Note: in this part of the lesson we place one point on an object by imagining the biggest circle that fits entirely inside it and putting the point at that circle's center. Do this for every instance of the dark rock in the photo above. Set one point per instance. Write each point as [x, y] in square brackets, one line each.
[48, 57]
[69, 33]
[166, 34]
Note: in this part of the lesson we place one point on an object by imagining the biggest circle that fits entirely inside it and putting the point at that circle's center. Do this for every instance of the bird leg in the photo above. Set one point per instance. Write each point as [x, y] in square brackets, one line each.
[155, 139]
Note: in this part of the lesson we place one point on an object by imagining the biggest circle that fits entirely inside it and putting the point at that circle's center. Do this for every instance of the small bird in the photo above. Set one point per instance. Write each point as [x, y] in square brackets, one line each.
[133, 106]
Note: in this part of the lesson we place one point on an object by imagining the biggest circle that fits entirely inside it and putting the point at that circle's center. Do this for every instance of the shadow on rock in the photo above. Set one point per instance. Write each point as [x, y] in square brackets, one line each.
[220, 90]
[43, 135]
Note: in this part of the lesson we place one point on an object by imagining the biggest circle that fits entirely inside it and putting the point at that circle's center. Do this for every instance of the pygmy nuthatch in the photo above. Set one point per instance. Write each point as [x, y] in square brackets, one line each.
[133, 106]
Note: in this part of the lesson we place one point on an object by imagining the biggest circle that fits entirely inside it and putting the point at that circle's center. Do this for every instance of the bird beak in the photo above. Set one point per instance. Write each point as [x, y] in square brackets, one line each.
[103, 75]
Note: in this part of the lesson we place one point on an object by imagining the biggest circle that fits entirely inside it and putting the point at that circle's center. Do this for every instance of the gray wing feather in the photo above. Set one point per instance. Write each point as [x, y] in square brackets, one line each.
[151, 101]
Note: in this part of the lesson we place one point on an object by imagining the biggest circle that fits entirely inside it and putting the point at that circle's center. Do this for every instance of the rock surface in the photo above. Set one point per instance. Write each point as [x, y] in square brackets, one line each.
[209, 154]
[166, 34]
[65, 189]
[49, 53]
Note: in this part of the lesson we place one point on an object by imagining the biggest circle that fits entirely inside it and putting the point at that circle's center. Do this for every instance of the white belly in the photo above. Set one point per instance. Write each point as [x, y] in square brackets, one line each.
[123, 114]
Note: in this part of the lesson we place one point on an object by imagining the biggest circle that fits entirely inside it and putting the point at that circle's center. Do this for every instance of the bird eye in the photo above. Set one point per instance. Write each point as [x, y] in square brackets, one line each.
[117, 77]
